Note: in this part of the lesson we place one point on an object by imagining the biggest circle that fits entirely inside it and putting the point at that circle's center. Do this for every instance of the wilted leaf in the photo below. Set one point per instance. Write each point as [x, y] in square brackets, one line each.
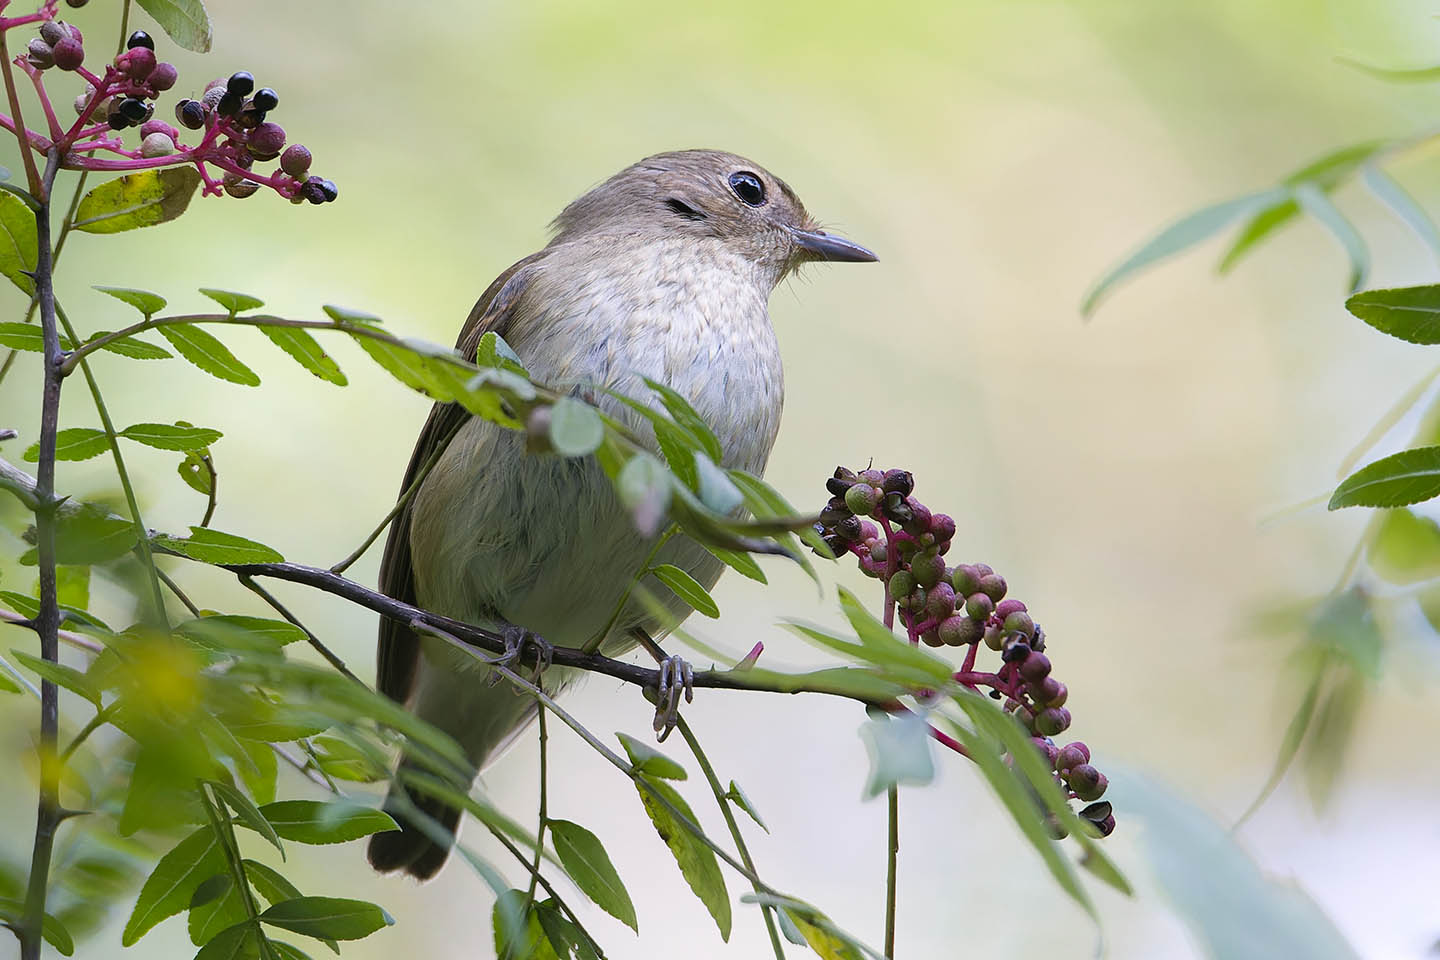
[141, 199]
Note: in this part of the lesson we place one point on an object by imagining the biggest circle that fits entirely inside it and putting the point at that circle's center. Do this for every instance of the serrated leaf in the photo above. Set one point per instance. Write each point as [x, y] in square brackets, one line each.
[62, 676]
[91, 535]
[737, 796]
[169, 436]
[269, 882]
[1404, 206]
[216, 905]
[247, 813]
[327, 918]
[314, 821]
[741, 563]
[686, 416]
[575, 427]
[232, 631]
[133, 348]
[196, 474]
[146, 302]
[136, 200]
[493, 351]
[687, 588]
[1398, 480]
[213, 546]
[232, 301]
[73, 443]
[696, 861]
[306, 351]
[184, 21]
[1411, 314]
[208, 353]
[19, 248]
[647, 759]
[1183, 233]
[346, 315]
[168, 889]
[1314, 202]
[24, 336]
[585, 859]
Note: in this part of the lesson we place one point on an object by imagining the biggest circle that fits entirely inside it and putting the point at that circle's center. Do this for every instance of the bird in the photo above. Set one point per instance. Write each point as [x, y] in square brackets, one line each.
[664, 271]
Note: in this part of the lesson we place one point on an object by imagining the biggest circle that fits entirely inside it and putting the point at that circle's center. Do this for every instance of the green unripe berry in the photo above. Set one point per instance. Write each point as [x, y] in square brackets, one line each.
[1020, 623]
[928, 568]
[862, 499]
[993, 586]
[965, 580]
[978, 606]
[901, 584]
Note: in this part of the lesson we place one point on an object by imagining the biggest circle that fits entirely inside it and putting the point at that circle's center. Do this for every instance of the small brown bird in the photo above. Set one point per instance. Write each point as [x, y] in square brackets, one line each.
[663, 271]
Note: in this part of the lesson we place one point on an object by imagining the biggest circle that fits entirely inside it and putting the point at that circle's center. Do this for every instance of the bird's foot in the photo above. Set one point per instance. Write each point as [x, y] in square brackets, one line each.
[521, 644]
[677, 679]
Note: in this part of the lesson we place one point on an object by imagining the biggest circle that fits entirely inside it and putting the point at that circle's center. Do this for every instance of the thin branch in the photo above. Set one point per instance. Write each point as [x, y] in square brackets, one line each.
[77, 640]
[765, 909]
[32, 174]
[891, 871]
[315, 641]
[179, 594]
[544, 791]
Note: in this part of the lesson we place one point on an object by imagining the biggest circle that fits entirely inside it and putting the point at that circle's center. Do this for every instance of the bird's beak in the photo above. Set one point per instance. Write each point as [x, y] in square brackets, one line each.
[827, 246]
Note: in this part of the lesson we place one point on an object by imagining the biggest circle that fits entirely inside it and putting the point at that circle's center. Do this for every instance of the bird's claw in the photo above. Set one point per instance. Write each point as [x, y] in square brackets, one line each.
[517, 639]
[677, 678]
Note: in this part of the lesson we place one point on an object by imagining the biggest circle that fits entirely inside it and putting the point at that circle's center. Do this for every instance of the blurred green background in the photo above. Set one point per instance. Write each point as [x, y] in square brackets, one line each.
[998, 156]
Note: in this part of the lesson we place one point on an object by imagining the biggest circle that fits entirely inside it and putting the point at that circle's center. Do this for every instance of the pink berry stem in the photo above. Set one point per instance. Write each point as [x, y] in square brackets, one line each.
[892, 559]
[102, 90]
[56, 131]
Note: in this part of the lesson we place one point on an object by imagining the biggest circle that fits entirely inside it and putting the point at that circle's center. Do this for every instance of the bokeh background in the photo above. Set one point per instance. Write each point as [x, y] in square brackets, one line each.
[998, 156]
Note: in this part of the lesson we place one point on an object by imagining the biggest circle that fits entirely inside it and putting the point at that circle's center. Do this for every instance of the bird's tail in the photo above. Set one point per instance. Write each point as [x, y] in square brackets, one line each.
[426, 834]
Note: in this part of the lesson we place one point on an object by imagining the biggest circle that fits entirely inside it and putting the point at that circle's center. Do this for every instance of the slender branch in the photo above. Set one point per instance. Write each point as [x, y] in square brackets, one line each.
[765, 909]
[540, 831]
[77, 640]
[102, 716]
[891, 872]
[179, 594]
[315, 641]
[47, 620]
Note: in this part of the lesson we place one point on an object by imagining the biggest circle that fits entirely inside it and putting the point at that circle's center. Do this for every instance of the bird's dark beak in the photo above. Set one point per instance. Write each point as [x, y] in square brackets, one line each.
[827, 246]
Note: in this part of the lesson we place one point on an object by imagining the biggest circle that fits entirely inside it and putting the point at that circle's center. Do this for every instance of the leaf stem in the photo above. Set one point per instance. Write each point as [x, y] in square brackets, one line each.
[765, 909]
[315, 641]
[540, 831]
[220, 823]
[891, 864]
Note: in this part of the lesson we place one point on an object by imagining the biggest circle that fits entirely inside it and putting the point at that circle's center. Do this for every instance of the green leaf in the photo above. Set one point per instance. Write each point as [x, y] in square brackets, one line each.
[62, 676]
[517, 930]
[1398, 480]
[648, 760]
[72, 588]
[12, 911]
[741, 563]
[269, 882]
[1394, 74]
[167, 436]
[686, 416]
[884, 648]
[314, 821]
[493, 351]
[697, 862]
[1314, 202]
[168, 889]
[90, 535]
[24, 336]
[1332, 734]
[141, 199]
[247, 813]
[766, 503]
[900, 752]
[240, 942]
[307, 352]
[327, 918]
[644, 488]
[575, 427]
[260, 772]
[196, 474]
[1405, 547]
[344, 315]
[233, 302]
[344, 761]
[208, 353]
[73, 443]
[212, 546]
[285, 951]
[588, 864]
[132, 348]
[1185, 232]
[1234, 910]
[825, 943]
[687, 588]
[19, 248]
[216, 905]
[225, 632]
[1410, 313]
[185, 21]
[1404, 206]
[737, 796]
[146, 302]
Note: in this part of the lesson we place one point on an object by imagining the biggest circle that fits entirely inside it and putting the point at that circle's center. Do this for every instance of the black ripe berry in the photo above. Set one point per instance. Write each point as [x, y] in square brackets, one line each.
[266, 99]
[240, 83]
[190, 113]
[327, 188]
[139, 39]
[230, 104]
[133, 110]
[312, 190]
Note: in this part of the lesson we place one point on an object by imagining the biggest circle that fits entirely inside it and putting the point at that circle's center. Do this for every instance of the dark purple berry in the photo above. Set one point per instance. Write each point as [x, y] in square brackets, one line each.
[1097, 811]
[329, 190]
[266, 99]
[40, 54]
[53, 31]
[133, 109]
[1006, 607]
[163, 77]
[898, 481]
[1035, 667]
[1072, 755]
[190, 113]
[230, 104]
[1016, 652]
[140, 39]
[943, 527]
[240, 83]
[137, 62]
[940, 603]
[1105, 827]
[266, 141]
[68, 54]
[848, 528]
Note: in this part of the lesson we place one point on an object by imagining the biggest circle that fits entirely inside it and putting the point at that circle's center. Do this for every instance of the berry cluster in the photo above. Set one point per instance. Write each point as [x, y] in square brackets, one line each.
[874, 516]
[231, 113]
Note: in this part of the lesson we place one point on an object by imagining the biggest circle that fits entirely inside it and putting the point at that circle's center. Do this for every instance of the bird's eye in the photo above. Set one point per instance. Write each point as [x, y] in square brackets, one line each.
[748, 187]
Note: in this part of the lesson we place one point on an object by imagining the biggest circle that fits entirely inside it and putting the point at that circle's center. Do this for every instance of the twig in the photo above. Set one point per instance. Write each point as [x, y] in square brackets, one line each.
[765, 909]
[77, 640]
[891, 872]
[315, 641]
[540, 831]
[179, 594]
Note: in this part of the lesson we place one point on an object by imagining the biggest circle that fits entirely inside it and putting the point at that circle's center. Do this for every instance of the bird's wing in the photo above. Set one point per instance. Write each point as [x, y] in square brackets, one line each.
[399, 648]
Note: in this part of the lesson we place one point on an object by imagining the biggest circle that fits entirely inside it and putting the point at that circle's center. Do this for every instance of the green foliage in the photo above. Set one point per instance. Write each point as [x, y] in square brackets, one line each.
[208, 353]
[311, 821]
[585, 859]
[649, 761]
[143, 199]
[306, 352]
[146, 302]
[686, 588]
[1398, 480]
[185, 21]
[232, 301]
[697, 862]
[575, 427]
[19, 246]
[213, 546]
[327, 918]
